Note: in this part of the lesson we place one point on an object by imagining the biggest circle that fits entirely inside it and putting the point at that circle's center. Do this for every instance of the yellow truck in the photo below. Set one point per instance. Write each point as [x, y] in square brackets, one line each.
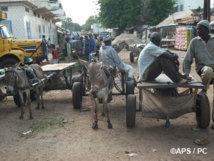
[13, 50]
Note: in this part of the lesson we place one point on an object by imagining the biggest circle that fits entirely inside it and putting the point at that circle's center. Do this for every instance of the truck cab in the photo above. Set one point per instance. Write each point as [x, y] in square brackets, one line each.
[13, 50]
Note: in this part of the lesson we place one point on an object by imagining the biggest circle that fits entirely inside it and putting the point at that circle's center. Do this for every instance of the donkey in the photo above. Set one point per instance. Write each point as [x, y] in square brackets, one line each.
[17, 81]
[101, 88]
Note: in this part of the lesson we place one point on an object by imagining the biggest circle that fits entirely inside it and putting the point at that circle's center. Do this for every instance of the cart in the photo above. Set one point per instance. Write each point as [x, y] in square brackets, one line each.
[135, 50]
[155, 105]
[62, 78]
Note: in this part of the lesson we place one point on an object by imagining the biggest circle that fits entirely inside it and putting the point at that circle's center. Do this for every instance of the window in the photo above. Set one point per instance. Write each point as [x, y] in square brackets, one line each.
[181, 7]
[26, 9]
[40, 32]
[29, 36]
[53, 1]
[4, 8]
[44, 29]
[5, 33]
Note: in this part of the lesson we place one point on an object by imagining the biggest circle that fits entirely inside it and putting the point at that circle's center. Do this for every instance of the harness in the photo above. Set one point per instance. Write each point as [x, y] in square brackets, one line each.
[108, 72]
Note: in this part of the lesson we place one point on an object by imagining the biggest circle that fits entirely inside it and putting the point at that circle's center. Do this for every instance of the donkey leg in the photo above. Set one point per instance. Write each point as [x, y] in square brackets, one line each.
[29, 104]
[105, 104]
[22, 105]
[41, 94]
[95, 111]
[103, 113]
[37, 98]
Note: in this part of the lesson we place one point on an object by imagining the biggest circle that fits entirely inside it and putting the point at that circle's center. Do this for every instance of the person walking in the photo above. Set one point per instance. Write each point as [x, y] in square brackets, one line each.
[92, 48]
[45, 48]
[55, 54]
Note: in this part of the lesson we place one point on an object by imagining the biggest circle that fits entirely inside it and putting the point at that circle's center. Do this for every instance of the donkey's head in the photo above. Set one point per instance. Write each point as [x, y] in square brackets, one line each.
[10, 79]
[97, 76]
[15, 79]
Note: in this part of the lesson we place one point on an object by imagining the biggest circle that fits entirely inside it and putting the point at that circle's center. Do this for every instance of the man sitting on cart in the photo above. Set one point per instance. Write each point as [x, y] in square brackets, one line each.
[202, 49]
[109, 57]
[154, 60]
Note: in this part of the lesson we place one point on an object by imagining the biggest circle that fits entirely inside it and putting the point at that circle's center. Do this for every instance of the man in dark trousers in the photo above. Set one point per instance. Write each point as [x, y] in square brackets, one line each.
[45, 48]
[201, 49]
[153, 60]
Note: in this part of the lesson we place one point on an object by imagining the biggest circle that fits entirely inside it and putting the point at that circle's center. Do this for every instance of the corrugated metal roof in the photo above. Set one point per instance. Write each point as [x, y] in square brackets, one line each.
[184, 17]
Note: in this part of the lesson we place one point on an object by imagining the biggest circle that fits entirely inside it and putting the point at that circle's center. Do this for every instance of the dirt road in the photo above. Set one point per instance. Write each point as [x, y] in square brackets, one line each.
[61, 133]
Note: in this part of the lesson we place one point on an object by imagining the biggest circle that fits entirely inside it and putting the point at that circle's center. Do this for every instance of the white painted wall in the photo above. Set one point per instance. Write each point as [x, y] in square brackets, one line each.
[19, 18]
[16, 15]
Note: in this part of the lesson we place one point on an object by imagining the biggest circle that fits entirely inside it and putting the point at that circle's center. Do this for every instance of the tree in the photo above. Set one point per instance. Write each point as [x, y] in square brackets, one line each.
[120, 13]
[154, 11]
[89, 22]
[68, 24]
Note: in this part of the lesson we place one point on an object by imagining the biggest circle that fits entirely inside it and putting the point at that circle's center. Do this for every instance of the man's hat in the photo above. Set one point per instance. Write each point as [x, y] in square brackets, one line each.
[204, 23]
[107, 38]
[156, 36]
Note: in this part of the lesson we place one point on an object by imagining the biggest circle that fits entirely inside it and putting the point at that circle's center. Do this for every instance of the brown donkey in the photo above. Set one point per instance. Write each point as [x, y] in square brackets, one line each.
[101, 88]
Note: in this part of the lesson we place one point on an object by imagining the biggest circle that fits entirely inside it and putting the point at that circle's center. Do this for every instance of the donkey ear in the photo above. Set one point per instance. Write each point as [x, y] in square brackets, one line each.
[84, 63]
[6, 69]
[18, 64]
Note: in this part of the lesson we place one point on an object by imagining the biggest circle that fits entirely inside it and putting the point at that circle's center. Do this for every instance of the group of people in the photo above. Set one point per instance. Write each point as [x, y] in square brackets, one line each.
[85, 46]
[154, 60]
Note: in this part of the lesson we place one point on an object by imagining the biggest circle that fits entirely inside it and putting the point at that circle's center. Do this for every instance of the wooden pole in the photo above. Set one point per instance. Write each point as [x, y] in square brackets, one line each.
[205, 10]
[206, 15]
[208, 10]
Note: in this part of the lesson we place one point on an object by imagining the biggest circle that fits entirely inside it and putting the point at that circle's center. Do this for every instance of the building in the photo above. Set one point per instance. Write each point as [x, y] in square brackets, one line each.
[30, 19]
[185, 5]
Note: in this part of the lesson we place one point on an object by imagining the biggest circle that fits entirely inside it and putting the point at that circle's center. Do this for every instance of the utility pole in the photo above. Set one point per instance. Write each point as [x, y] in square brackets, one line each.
[206, 13]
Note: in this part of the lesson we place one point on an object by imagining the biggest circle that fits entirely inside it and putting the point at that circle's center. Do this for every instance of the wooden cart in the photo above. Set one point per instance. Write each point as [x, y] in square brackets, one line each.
[200, 105]
[62, 78]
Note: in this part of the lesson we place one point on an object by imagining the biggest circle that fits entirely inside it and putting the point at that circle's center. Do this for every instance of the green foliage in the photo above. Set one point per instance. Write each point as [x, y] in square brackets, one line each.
[91, 20]
[129, 13]
[155, 11]
[120, 13]
[68, 24]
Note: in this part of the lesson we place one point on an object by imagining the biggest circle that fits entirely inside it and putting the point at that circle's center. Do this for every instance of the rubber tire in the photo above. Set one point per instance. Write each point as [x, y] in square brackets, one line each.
[203, 112]
[6, 62]
[131, 55]
[130, 85]
[16, 99]
[131, 110]
[1, 95]
[77, 95]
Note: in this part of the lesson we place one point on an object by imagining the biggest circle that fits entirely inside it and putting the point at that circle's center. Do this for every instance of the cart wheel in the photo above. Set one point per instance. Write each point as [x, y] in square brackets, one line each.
[2, 96]
[16, 99]
[131, 57]
[130, 110]
[203, 112]
[77, 95]
[130, 85]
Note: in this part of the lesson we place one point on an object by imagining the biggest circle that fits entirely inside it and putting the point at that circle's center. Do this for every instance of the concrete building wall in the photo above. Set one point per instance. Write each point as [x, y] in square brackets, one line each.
[28, 25]
[16, 16]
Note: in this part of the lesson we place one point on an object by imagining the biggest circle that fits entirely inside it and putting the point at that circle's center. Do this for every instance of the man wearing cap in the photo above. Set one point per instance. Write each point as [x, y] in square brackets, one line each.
[109, 57]
[153, 60]
[201, 49]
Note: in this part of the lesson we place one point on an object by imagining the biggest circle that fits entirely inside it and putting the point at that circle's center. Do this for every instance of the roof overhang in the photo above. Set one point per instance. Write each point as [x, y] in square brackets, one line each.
[27, 3]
